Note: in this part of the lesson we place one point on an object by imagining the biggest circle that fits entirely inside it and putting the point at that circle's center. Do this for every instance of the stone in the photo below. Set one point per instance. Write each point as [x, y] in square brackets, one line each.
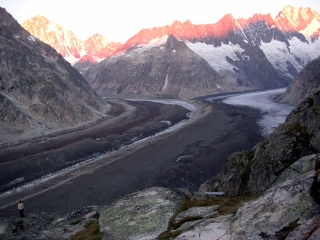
[196, 212]
[5, 228]
[214, 228]
[91, 215]
[279, 207]
[141, 215]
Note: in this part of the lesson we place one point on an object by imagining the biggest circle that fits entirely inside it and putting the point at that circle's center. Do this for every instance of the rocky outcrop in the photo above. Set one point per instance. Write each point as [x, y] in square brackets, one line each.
[287, 210]
[254, 171]
[304, 85]
[39, 91]
[141, 215]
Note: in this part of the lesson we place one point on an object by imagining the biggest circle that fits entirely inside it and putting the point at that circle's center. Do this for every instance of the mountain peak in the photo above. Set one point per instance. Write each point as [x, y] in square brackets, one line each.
[295, 19]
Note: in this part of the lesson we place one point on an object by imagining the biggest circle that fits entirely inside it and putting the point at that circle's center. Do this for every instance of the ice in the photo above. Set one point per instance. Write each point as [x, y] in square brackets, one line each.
[298, 53]
[165, 82]
[32, 38]
[216, 56]
[311, 28]
[157, 42]
[273, 113]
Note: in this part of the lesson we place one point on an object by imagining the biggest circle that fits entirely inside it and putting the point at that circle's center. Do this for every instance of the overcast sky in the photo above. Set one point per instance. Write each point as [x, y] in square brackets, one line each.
[118, 20]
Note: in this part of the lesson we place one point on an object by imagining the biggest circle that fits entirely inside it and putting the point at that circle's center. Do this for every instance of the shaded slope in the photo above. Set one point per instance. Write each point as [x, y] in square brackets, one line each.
[39, 91]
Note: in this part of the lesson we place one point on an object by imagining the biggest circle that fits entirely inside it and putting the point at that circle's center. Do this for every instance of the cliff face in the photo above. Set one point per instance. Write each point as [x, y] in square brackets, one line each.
[39, 91]
[305, 84]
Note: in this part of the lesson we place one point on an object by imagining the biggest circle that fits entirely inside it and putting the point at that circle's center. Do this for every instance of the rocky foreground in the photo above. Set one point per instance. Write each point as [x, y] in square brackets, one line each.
[287, 210]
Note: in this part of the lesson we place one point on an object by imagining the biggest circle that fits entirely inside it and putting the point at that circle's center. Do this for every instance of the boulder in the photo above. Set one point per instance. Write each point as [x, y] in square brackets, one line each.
[141, 215]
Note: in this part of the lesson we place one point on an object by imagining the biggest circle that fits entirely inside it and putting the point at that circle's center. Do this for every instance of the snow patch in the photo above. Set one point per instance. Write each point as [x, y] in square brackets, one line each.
[306, 51]
[298, 54]
[153, 43]
[167, 122]
[311, 28]
[31, 38]
[71, 59]
[166, 81]
[216, 56]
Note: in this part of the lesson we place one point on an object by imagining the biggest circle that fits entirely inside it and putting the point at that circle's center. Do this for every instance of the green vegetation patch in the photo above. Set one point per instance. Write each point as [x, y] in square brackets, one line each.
[91, 231]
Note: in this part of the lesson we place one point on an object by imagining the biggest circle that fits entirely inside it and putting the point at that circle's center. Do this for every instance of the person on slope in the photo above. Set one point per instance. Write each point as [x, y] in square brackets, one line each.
[21, 208]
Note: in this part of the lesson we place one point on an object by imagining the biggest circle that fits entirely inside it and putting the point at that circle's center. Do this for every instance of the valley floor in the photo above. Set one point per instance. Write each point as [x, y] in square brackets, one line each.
[183, 158]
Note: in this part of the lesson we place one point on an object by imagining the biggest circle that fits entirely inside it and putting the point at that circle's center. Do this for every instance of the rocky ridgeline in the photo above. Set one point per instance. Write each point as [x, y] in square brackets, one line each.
[305, 84]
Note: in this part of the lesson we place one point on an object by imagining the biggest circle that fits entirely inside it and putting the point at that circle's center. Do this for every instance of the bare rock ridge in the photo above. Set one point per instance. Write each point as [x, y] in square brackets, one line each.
[40, 92]
[304, 85]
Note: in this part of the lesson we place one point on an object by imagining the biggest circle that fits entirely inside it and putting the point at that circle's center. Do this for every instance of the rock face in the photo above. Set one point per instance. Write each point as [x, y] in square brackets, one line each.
[67, 44]
[304, 85]
[254, 171]
[39, 91]
[142, 215]
[286, 210]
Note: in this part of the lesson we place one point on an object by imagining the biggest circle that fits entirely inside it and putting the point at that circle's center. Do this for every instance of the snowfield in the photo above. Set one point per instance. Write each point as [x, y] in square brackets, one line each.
[216, 56]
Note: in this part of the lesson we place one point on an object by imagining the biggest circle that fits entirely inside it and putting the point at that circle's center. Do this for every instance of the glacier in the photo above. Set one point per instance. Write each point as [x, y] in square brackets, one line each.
[273, 113]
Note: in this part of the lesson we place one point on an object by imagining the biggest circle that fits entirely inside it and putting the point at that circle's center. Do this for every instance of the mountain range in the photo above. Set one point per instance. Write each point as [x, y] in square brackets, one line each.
[237, 55]
[73, 49]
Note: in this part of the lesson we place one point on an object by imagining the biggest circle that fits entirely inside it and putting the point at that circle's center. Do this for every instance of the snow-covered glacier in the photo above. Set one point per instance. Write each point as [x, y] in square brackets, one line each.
[273, 113]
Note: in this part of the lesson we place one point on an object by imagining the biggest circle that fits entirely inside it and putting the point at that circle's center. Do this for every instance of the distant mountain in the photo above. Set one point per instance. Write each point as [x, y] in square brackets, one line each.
[67, 44]
[170, 68]
[246, 54]
[40, 92]
[304, 85]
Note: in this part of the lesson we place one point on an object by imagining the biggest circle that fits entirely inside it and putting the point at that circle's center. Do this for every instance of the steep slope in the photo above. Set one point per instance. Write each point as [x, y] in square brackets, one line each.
[304, 85]
[170, 68]
[39, 91]
[67, 44]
